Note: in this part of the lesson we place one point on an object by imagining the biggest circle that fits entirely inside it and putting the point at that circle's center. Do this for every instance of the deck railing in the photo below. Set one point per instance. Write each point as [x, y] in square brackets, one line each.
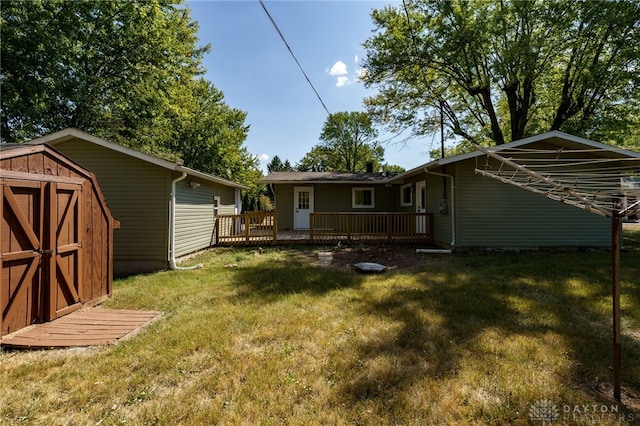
[262, 228]
[371, 227]
[247, 228]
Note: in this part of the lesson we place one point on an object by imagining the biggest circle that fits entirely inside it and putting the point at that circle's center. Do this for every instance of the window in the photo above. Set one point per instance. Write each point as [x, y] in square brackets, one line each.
[362, 198]
[406, 194]
[216, 205]
[304, 200]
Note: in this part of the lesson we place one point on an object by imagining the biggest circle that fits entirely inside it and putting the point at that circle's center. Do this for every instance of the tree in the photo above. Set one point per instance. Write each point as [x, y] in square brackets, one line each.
[207, 134]
[124, 70]
[504, 70]
[276, 165]
[348, 145]
[105, 67]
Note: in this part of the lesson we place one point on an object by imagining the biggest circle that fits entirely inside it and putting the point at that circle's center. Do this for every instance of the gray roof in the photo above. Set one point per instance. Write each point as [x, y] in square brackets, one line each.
[553, 137]
[324, 177]
[8, 146]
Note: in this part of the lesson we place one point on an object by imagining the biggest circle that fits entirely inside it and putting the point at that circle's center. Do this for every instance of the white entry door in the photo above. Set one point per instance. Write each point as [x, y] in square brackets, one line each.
[421, 206]
[303, 206]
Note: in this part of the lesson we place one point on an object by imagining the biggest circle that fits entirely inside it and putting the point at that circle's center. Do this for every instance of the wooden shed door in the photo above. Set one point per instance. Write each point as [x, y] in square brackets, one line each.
[40, 252]
[21, 293]
[65, 260]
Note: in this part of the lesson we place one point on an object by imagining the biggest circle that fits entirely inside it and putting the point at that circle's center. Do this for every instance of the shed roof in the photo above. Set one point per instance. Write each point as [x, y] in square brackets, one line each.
[70, 133]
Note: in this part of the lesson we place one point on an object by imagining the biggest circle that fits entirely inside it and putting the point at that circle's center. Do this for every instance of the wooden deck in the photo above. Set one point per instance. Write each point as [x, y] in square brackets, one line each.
[86, 327]
[256, 228]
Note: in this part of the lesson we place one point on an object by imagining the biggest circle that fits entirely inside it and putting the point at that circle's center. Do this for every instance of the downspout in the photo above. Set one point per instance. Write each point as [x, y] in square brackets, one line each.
[453, 206]
[172, 229]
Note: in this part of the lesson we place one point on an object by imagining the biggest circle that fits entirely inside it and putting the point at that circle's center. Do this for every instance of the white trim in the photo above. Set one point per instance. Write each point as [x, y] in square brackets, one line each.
[296, 191]
[238, 201]
[363, 206]
[172, 228]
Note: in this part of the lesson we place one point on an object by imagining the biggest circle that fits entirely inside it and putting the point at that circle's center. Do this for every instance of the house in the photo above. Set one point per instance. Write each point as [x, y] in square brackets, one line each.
[56, 233]
[166, 210]
[468, 209]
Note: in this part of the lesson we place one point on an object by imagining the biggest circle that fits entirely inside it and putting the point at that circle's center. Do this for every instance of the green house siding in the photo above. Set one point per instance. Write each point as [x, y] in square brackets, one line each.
[329, 198]
[491, 213]
[137, 193]
[195, 215]
[441, 217]
[284, 206]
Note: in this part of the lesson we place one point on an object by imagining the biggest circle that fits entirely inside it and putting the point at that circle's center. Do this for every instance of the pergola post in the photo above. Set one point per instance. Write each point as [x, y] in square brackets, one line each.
[615, 284]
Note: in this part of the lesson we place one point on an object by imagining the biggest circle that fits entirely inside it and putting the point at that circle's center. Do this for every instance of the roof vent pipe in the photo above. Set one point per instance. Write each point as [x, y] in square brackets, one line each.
[369, 166]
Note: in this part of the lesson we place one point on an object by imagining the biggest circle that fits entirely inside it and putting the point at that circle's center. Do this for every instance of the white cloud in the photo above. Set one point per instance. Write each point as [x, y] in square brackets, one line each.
[342, 80]
[338, 69]
[263, 157]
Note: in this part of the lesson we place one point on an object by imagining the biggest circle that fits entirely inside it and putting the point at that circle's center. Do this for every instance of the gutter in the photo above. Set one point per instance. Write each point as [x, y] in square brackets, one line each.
[172, 229]
[453, 207]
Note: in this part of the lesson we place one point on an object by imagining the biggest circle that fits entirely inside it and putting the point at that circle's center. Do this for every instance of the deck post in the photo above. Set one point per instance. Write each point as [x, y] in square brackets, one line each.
[216, 231]
[312, 217]
[247, 226]
[389, 222]
[275, 227]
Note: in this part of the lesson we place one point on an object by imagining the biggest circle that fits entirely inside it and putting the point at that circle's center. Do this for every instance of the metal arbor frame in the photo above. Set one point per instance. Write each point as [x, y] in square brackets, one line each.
[597, 180]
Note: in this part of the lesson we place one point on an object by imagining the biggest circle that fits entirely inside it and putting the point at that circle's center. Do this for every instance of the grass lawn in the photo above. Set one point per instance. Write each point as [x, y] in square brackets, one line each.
[272, 338]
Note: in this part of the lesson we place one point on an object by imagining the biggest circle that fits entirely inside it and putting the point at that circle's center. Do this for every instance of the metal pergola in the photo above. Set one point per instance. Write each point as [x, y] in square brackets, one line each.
[594, 177]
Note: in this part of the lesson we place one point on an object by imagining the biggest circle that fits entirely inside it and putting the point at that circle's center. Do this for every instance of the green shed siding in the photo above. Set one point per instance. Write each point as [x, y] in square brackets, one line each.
[491, 213]
[137, 193]
[195, 216]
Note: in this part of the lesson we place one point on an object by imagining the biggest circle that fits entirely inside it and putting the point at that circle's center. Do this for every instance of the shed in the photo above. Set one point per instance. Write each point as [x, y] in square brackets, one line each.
[56, 235]
[166, 210]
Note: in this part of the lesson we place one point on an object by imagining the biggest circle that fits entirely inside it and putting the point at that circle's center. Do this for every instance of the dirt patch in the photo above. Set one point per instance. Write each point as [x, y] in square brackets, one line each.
[391, 256]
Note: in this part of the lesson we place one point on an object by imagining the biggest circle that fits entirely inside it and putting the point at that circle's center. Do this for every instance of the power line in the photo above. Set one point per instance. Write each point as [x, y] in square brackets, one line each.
[293, 55]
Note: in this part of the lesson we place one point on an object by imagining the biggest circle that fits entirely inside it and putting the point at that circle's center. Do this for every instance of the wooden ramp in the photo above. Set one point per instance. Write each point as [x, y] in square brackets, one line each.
[86, 327]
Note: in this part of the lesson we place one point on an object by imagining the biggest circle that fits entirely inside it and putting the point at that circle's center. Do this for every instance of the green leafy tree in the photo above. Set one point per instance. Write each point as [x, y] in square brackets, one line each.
[392, 168]
[208, 134]
[504, 70]
[106, 67]
[348, 144]
[319, 159]
[124, 70]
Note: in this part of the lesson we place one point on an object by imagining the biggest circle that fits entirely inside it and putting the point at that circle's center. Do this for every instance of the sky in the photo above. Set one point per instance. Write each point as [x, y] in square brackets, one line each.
[252, 66]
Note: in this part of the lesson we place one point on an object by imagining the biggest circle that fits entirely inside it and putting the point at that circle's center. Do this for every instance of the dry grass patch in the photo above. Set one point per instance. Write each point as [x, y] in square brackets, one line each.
[473, 338]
